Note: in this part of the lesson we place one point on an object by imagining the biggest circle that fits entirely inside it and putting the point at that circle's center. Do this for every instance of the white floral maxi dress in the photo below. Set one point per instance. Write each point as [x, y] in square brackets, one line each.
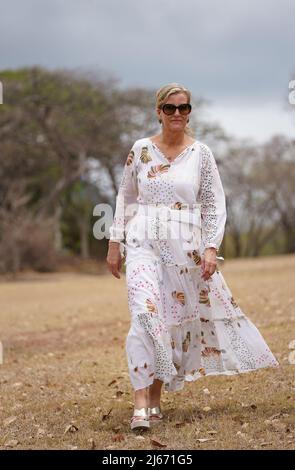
[182, 327]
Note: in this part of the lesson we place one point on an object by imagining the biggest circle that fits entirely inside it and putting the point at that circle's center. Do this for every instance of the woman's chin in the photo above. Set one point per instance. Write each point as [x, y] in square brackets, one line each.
[176, 125]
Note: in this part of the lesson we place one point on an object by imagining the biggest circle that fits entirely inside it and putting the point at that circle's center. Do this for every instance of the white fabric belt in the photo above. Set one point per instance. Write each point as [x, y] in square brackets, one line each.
[166, 213]
[176, 231]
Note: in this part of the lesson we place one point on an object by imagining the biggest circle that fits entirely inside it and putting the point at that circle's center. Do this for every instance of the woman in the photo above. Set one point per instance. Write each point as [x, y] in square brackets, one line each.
[185, 323]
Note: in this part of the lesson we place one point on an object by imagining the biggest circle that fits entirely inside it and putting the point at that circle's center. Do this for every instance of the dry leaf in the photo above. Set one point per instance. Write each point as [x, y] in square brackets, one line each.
[112, 382]
[205, 439]
[9, 421]
[179, 425]
[107, 415]
[71, 428]
[278, 426]
[118, 438]
[206, 408]
[92, 443]
[206, 391]
[277, 415]
[116, 429]
[156, 443]
[11, 443]
[40, 432]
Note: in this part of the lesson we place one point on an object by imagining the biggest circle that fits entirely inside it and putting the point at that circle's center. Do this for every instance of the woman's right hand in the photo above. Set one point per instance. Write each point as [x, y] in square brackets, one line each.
[114, 258]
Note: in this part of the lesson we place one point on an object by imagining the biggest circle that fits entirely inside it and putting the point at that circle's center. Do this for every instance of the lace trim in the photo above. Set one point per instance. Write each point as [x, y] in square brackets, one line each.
[207, 197]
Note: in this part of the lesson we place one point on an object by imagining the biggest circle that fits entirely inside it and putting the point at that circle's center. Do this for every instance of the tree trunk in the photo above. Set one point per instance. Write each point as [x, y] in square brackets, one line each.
[57, 229]
[84, 236]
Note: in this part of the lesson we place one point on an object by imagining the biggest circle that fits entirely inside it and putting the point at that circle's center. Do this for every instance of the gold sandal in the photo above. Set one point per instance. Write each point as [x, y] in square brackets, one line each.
[140, 419]
[155, 414]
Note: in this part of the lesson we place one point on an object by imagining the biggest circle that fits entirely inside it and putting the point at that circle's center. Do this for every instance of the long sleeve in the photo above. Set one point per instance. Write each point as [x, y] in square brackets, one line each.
[212, 200]
[126, 198]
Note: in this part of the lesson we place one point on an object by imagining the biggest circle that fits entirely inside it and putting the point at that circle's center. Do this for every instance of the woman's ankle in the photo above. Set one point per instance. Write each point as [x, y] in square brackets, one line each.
[141, 399]
[153, 402]
[154, 396]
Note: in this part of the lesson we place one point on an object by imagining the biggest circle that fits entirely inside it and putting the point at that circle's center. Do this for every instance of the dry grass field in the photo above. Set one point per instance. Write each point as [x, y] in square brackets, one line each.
[64, 381]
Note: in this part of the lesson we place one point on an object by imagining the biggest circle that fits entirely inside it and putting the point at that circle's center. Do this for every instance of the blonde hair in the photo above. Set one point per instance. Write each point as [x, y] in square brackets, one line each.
[167, 90]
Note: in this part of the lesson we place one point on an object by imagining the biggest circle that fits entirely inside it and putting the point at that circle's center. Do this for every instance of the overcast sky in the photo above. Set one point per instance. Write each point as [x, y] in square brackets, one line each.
[237, 54]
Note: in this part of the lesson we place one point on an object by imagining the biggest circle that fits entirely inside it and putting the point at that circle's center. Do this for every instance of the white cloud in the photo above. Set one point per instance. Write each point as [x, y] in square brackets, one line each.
[257, 120]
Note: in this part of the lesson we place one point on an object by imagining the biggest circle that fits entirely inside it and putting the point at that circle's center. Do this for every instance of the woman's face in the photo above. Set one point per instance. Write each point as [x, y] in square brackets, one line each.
[176, 122]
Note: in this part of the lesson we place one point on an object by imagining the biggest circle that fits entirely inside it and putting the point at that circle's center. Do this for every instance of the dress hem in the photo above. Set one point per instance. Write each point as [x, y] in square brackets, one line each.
[197, 376]
[189, 378]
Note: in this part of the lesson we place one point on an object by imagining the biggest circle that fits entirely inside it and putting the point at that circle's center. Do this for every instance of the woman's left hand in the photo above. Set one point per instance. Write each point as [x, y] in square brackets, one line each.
[209, 263]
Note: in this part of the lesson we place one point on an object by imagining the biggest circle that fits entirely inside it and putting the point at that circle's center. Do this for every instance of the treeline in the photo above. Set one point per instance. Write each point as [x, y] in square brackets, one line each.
[64, 137]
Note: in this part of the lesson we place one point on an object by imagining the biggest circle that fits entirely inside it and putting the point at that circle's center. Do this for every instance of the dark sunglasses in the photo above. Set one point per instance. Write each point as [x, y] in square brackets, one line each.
[170, 109]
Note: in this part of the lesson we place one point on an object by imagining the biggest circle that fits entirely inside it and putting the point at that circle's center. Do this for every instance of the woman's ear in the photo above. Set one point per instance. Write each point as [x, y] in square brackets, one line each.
[159, 115]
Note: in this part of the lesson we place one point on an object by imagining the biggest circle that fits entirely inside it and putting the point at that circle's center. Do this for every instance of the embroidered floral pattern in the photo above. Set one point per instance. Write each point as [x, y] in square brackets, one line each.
[145, 156]
[157, 170]
[151, 307]
[130, 158]
[178, 205]
[208, 351]
[204, 297]
[179, 297]
[195, 256]
[186, 342]
[233, 302]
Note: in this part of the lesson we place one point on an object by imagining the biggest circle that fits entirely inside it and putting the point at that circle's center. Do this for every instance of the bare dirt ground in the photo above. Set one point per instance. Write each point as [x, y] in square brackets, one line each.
[64, 382]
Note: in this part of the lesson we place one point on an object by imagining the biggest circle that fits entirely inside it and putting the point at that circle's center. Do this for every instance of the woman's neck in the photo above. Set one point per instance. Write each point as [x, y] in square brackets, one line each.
[172, 138]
